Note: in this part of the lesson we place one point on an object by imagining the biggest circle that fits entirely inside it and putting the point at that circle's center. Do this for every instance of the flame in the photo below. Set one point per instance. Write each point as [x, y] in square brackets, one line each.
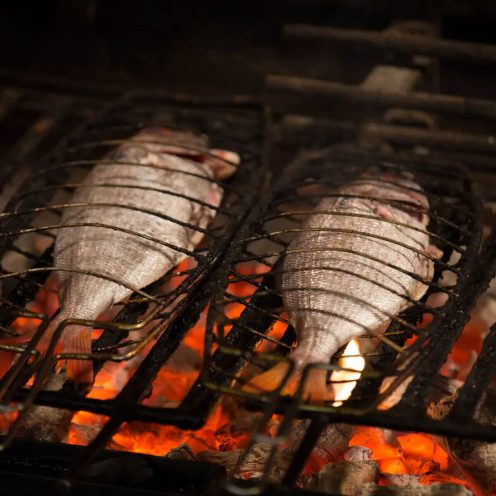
[344, 381]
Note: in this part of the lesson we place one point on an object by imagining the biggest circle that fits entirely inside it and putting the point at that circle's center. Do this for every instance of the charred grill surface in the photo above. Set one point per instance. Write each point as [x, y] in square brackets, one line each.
[174, 302]
[455, 227]
[437, 134]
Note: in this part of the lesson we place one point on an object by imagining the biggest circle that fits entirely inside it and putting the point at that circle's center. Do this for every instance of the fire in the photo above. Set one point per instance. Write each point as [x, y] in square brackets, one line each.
[408, 453]
[344, 381]
[395, 453]
[169, 388]
[276, 332]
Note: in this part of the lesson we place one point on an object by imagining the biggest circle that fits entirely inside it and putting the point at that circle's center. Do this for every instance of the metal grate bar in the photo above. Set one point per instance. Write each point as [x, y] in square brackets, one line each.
[442, 104]
[478, 380]
[394, 40]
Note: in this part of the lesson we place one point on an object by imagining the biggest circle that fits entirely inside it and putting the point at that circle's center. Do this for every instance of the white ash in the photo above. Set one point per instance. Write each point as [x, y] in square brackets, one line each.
[358, 454]
[45, 423]
[182, 452]
[436, 489]
[253, 465]
[401, 479]
[344, 478]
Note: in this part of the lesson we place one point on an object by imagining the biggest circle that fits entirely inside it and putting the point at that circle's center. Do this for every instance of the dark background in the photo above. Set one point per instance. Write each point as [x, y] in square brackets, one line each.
[219, 47]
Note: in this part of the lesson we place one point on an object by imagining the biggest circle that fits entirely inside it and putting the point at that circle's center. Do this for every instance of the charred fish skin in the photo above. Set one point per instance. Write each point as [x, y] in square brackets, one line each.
[348, 271]
[130, 222]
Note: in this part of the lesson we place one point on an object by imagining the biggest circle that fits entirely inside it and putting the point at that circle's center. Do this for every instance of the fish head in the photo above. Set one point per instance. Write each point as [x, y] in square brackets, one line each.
[404, 190]
[161, 139]
[190, 145]
[222, 162]
[398, 189]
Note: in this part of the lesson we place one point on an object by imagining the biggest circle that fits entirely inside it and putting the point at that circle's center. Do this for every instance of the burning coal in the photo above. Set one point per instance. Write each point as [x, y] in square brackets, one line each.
[393, 456]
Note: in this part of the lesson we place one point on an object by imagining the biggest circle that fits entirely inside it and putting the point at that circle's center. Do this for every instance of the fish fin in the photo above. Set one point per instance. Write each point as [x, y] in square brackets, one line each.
[434, 251]
[78, 341]
[46, 339]
[384, 212]
[271, 379]
[427, 269]
[316, 388]
[225, 165]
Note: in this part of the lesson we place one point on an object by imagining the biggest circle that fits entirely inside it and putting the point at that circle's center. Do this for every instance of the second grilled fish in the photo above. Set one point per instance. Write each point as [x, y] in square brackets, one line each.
[349, 270]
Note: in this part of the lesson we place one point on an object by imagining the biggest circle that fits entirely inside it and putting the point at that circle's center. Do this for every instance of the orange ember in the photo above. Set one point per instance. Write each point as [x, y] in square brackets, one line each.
[411, 453]
[394, 453]
[275, 332]
[469, 341]
[374, 439]
[242, 290]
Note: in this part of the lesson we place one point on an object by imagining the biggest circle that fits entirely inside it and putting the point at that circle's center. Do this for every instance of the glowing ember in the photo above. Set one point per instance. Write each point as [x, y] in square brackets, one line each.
[276, 332]
[344, 381]
[394, 453]
[169, 388]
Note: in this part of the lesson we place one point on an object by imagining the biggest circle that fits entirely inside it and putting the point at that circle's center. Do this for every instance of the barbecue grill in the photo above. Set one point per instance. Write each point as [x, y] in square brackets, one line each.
[230, 289]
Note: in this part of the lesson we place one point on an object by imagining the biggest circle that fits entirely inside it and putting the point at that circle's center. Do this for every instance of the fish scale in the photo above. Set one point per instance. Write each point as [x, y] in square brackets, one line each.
[132, 259]
[347, 275]
[333, 297]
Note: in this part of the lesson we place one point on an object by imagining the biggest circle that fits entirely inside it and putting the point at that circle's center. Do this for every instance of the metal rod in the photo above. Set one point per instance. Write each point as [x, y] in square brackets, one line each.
[444, 104]
[317, 425]
[479, 378]
[298, 126]
[394, 40]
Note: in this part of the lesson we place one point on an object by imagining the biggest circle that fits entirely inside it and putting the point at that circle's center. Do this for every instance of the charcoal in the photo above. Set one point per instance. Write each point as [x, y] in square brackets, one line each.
[228, 459]
[185, 359]
[358, 454]
[333, 442]
[440, 387]
[415, 489]
[44, 423]
[475, 459]
[182, 452]
[122, 469]
[401, 479]
[86, 432]
[253, 464]
[345, 478]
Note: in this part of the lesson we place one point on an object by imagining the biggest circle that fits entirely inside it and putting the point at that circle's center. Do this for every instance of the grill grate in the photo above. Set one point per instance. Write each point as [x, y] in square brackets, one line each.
[455, 226]
[246, 244]
[234, 126]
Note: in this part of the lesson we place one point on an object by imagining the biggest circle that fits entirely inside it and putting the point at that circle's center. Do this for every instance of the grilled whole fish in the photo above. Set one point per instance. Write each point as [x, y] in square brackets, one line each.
[348, 271]
[123, 223]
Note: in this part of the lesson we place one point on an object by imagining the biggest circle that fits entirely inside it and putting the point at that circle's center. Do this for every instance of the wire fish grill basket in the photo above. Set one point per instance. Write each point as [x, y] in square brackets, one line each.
[153, 321]
[397, 364]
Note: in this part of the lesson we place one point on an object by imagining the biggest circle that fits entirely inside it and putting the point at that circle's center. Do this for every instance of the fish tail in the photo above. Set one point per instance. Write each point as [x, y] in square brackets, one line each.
[315, 387]
[46, 338]
[270, 380]
[78, 340]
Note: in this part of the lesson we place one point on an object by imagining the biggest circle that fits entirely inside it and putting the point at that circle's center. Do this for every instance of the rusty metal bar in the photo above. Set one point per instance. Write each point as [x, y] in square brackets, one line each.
[294, 125]
[395, 40]
[446, 104]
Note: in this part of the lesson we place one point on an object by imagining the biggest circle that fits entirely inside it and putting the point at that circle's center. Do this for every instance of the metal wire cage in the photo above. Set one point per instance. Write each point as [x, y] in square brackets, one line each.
[253, 329]
[32, 220]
